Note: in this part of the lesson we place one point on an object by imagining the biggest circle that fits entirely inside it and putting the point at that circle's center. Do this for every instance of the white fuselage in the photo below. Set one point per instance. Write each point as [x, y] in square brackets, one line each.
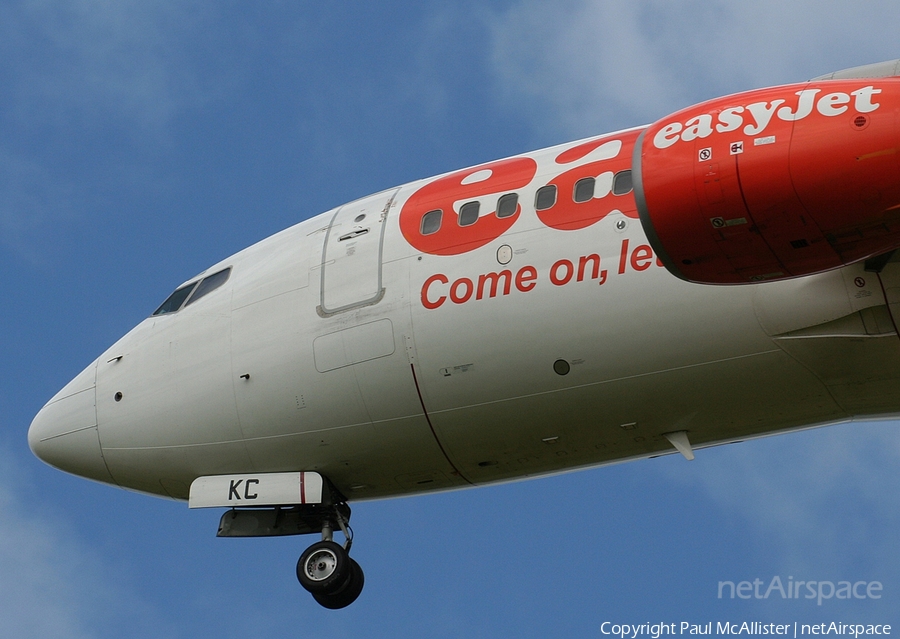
[336, 346]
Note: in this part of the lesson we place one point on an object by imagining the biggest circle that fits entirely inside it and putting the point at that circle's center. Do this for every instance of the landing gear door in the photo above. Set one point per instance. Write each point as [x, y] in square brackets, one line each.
[351, 257]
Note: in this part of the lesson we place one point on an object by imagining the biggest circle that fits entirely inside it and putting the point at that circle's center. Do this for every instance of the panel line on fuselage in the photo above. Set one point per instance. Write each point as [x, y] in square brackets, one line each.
[608, 381]
[412, 368]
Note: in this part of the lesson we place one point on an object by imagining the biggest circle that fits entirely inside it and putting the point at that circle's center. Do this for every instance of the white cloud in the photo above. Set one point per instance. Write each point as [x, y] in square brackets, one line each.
[84, 81]
[832, 489]
[34, 601]
[51, 586]
[590, 66]
[84, 61]
[36, 594]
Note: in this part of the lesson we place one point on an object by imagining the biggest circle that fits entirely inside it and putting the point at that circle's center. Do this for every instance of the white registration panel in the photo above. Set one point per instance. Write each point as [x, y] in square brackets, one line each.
[260, 489]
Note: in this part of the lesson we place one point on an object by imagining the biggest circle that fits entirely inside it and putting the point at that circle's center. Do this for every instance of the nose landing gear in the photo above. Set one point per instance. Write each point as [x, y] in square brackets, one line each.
[264, 505]
[326, 570]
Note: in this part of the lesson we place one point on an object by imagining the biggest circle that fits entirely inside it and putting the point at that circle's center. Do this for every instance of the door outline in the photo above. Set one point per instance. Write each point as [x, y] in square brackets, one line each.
[323, 311]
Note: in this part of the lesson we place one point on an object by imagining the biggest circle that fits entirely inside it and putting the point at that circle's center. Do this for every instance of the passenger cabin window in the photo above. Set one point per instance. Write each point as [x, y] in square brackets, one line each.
[468, 213]
[545, 197]
[507, 205]
[209, 284]
[175, 300]
[431, 222]
[584, 189]
[203, 287]
[622, 183]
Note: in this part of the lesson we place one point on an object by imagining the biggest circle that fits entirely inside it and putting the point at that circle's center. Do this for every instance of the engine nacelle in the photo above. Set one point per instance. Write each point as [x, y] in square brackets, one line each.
[773, 183]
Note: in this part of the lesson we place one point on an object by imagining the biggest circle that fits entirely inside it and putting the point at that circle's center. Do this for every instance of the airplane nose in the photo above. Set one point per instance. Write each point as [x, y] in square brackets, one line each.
[64, 432]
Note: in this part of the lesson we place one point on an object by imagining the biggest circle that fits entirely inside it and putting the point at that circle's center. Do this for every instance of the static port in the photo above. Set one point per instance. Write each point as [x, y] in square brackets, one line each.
[561, 367]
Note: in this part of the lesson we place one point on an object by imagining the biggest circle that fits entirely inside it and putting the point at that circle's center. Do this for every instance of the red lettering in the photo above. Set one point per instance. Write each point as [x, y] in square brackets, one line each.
[489, 285]
[567, 214]
[642, 258]
[623, 256]
[526, 278]
[455, 297]
[582, 263]
[495, 178]
[431, 280]
[554, 272]
[430, 220]
[494, 279]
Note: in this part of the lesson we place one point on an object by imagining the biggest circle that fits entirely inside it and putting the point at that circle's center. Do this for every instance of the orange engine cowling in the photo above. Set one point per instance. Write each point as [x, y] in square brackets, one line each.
[773, 183]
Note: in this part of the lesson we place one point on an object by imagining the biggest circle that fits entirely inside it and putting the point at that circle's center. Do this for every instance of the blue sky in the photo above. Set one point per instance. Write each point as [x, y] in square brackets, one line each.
[142, 141]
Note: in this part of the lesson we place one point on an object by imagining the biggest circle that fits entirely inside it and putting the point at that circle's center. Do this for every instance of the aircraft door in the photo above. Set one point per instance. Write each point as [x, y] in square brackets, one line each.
[351, 257]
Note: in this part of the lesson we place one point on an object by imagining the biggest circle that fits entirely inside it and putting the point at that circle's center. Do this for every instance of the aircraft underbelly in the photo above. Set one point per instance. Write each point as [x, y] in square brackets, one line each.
[617, 419]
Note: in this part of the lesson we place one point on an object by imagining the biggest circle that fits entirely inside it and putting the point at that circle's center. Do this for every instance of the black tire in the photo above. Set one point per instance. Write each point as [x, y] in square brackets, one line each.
[324, 567]
[346, 595]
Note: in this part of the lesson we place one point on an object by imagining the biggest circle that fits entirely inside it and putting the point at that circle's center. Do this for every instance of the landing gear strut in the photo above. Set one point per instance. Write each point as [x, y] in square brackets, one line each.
[326, 570]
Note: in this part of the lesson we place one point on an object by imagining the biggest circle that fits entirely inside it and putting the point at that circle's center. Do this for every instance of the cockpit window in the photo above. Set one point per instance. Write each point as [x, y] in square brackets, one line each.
[209, 284]
[175, 300]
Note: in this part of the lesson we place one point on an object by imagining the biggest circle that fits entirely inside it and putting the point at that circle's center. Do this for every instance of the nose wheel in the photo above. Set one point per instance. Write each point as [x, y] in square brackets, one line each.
[326, 570]
[346, 593]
